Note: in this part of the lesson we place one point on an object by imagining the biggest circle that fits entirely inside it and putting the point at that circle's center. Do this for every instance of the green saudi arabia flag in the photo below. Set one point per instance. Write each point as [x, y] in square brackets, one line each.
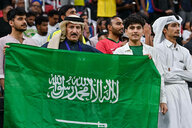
[46, 88]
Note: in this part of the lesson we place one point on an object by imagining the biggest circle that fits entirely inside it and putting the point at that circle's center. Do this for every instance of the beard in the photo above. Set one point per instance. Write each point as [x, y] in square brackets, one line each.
[116, 32]
[44, 33]
[20, 30]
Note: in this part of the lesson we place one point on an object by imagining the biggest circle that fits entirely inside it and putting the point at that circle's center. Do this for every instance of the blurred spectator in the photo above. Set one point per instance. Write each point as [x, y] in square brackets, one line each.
[102, 35]
[93, 7]
[53, 17]
[88, 30]
[31, 29]
[186, 32]
[5, 27]
[41, 23]
[79, 4]
[20, 3]
[162, 7]
[64, 11]
[67, 2]
[125, 8]
[36, 7]
[185, 10]
[100, 26]
[154, 9]
[148, 10]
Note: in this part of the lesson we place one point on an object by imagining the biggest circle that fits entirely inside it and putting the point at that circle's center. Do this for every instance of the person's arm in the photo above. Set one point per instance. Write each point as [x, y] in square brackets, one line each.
[144, 8]
[158, 64]
[147, 33]
[2, 52]
[185, 74]
[2, 83]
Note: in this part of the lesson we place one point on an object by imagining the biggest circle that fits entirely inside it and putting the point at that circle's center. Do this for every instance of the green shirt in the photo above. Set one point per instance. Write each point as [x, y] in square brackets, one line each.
[137, 50]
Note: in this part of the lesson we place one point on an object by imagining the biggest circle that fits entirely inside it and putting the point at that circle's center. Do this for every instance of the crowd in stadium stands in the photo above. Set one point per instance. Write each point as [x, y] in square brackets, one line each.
[110, 33]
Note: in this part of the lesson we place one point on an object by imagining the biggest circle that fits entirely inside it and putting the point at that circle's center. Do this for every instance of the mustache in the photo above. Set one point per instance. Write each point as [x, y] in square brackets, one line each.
[24, 25]
[74, 34]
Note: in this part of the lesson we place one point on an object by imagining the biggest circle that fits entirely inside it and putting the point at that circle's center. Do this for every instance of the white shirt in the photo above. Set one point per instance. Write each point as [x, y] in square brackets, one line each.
[147, 50]
[52, 28]
[31, 31]
[40, 40]
[178, 60]
[186, 34]
[10, 39]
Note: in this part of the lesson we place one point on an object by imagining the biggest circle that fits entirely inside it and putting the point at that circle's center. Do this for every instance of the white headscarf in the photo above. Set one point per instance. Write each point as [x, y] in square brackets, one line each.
[159, 25]
[61, 35]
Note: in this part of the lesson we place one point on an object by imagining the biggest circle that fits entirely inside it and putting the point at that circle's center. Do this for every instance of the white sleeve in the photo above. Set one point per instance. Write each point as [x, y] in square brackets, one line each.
[158, 64]
[186, 74]
[1, 60]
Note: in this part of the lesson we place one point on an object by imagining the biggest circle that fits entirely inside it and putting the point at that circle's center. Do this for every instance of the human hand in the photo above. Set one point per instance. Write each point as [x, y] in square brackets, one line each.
[6, 46]
[164, 108]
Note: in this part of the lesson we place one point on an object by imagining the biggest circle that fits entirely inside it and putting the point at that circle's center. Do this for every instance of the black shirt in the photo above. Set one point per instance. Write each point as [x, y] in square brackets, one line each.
[5, 27]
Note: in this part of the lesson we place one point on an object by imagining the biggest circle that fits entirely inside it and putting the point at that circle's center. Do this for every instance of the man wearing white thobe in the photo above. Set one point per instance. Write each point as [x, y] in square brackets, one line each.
[177, 65]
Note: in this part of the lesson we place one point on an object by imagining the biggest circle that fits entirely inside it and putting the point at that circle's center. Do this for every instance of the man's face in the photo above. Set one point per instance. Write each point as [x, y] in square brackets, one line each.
[30, 20]
[36, 7]
[71, 11]
[53, 20]
[116, 26]
[7, 9]
[73, 32]
[43, 28]
[85, 18]
[172, 31]
[134, 32]
[21, 4]
[103, 25]
[19, 23]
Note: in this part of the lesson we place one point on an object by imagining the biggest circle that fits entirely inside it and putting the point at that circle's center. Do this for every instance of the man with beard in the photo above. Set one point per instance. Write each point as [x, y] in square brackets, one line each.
[41, 23]
[17, 20]
[115, 28]
[70, 37]
[31, 29]
[177, 65]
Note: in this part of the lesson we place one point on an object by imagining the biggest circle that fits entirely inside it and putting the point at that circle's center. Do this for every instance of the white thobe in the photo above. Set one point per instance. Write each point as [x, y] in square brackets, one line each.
[177, 64]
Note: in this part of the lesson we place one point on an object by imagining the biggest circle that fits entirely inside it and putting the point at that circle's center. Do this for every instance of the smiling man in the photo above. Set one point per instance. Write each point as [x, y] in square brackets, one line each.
[134, 30]
[115, 28]
[70, 37]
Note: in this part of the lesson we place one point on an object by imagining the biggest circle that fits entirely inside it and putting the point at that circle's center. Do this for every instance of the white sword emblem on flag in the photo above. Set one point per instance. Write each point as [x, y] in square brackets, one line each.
[83, 123]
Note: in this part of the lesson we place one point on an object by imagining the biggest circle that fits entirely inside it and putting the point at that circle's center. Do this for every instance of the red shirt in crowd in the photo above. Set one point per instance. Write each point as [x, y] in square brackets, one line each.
[108, 46]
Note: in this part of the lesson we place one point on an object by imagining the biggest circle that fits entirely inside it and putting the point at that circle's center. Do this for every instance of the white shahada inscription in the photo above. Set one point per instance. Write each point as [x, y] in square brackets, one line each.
[83, 89]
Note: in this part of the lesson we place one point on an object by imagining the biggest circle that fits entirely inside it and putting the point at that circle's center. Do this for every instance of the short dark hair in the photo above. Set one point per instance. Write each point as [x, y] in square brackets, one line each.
[40, 19]
[52, 13]
[134, 19]
[83, 14]
[30, 14]
[64, 9]
[108, 21]
[16, 11]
